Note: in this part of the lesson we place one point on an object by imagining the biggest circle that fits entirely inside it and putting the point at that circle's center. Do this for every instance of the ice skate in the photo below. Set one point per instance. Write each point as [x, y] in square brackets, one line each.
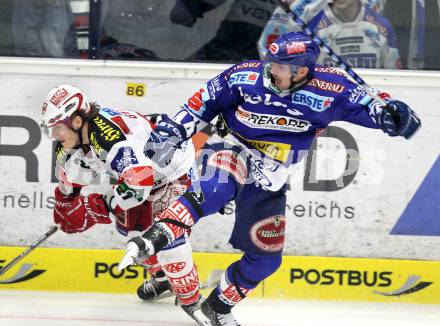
[217, 318]
[154, 288]
[193, 310]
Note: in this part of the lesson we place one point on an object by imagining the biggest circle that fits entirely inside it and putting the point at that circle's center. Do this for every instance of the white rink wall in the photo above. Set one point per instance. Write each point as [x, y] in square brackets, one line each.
[354, 221]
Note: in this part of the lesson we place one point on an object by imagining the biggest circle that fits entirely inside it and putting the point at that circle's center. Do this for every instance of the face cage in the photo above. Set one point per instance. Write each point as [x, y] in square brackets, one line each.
[61, 126]
[268, 61]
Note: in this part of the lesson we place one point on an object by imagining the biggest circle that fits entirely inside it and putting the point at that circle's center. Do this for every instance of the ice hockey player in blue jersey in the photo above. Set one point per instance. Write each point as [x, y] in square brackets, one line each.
[272, 110]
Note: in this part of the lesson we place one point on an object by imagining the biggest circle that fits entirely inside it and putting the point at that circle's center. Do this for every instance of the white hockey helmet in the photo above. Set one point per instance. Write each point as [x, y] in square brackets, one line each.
[61, 102]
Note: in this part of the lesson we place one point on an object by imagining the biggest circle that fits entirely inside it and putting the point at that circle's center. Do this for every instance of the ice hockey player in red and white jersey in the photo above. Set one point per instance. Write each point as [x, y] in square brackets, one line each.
[93, 140]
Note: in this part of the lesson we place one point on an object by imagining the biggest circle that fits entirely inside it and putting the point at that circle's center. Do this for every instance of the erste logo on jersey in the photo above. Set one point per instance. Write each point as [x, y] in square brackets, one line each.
[271, 121]
[313, 101]
[243, 77]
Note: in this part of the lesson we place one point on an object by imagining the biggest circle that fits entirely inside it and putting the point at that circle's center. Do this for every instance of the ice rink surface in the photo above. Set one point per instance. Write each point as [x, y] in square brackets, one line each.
[27, 308]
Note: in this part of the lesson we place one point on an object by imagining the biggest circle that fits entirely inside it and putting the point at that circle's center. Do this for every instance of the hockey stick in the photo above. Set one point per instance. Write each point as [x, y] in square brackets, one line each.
[320, 42]
[14, 261]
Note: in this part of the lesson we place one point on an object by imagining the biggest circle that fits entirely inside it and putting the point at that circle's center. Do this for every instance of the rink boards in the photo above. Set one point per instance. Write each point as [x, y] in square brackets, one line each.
[321, 278]
[362, 195]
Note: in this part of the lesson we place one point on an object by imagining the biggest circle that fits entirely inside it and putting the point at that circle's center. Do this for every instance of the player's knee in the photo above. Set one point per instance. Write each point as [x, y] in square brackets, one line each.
[259, 267]
[178, 265]
[223, 191]
[178, 251]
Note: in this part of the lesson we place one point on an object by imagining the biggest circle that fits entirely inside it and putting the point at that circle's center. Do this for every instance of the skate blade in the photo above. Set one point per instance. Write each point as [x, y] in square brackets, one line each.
[162, 296]
[200, 318]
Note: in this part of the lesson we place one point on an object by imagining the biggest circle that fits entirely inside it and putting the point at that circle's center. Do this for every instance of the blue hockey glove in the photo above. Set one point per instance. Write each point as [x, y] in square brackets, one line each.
[397, 119]
[165, 138]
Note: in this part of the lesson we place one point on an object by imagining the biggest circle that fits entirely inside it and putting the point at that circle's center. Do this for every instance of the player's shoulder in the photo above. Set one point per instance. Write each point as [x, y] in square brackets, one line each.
[321, 19]
[253, 65]
[329, 81]
[382, 23]
[244, 73]
[329, 72]
[125, 121]
[106, 129]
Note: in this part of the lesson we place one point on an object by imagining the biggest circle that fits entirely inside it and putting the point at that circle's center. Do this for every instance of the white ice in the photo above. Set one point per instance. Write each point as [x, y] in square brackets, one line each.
[25, 308]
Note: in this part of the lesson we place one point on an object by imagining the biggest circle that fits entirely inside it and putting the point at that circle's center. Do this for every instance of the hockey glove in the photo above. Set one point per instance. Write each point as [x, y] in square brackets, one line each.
[165, 138]
[138, 218]
[397, 119]
[138, 249]
[75, 214]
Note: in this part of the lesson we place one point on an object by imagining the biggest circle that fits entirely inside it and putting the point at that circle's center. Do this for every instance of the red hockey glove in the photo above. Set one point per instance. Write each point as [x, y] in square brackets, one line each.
[138, 218]
[78, 213]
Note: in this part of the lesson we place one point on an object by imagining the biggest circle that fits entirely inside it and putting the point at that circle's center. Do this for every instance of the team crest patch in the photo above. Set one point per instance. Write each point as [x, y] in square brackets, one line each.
[123, 159]
[268, 234]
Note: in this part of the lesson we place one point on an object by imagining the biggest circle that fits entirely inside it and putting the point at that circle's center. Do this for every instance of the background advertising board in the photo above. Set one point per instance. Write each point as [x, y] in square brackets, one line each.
[362, 194]
[323, 278]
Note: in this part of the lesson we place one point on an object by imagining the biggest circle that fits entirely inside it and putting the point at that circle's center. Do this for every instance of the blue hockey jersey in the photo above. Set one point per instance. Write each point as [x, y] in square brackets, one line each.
[279, 125]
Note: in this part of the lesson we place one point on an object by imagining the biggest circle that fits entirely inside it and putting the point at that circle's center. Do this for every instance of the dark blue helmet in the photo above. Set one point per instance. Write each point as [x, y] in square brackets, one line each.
[295, 49]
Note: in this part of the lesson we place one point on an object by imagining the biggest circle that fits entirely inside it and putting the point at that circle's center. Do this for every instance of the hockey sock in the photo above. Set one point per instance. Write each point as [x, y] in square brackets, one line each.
[178, 265]
[243, 276]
